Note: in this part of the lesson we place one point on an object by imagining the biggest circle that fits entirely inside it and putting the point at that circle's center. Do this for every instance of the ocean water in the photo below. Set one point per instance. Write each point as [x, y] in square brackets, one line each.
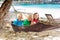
[40, 5]
[41, 9]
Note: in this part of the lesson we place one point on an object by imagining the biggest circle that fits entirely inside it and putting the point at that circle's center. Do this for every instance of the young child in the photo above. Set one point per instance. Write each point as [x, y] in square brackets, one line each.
[18, 23]
[35, 18]
[27, 22]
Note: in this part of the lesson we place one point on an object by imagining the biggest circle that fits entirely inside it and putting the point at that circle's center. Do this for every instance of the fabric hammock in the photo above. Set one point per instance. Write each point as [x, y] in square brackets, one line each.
[38, 28]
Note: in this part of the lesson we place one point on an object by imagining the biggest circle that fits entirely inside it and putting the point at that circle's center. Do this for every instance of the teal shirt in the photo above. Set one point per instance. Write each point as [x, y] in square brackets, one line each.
[18, 23]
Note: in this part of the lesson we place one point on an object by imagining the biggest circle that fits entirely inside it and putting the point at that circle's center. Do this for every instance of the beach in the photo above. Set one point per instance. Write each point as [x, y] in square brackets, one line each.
[8, 34]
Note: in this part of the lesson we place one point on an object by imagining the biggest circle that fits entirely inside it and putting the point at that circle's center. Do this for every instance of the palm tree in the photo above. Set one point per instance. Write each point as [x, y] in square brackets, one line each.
[4, 9]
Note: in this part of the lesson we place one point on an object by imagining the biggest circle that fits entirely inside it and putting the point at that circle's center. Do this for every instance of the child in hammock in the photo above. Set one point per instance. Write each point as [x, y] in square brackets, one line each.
[35, 18]
[27, 22]
[18, 23]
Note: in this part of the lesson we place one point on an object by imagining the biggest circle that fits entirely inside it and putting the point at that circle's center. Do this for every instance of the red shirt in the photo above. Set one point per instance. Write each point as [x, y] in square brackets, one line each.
[35, 21]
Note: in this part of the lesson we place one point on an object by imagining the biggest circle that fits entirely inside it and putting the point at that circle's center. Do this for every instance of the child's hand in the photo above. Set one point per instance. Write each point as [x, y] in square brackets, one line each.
[32, 23]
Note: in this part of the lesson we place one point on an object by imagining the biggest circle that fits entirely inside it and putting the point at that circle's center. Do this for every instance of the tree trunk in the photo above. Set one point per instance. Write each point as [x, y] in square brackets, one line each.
[4, 9]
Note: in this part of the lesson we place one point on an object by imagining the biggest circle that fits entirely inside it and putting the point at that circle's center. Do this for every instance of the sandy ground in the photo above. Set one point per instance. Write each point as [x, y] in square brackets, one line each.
[45, 35]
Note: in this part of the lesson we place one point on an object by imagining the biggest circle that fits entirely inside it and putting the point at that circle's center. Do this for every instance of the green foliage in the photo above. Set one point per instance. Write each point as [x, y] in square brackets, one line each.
[1, 0]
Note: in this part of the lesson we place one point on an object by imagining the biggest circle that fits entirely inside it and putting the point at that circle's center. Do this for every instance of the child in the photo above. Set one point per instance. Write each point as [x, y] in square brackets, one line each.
[18, 23]
[27, 22]
[35, 18]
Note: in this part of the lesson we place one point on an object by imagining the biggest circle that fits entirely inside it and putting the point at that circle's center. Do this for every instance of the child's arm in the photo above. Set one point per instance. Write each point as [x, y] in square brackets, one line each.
[32, 23]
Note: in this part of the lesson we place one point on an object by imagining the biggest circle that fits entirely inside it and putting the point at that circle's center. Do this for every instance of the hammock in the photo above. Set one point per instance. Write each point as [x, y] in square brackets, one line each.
[39, 27]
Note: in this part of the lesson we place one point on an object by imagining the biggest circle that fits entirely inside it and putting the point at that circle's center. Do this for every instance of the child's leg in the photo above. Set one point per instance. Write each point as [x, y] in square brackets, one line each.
[21, 29]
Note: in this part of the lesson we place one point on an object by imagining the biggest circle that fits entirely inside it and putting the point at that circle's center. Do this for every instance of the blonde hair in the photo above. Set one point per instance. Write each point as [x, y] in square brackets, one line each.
[29, 15]
[19, 15]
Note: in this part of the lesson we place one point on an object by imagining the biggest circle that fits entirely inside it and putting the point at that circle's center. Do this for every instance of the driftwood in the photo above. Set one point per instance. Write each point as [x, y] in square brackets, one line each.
[50, 19]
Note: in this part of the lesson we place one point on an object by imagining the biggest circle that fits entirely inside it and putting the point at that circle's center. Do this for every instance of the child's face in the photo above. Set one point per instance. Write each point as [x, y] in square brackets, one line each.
[30, 18]
[36, 16]
[19, 17]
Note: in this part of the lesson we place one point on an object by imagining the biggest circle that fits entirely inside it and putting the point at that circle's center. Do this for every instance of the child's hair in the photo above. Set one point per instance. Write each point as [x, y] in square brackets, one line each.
[19, 15]
[29, 16]
[34, 15]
